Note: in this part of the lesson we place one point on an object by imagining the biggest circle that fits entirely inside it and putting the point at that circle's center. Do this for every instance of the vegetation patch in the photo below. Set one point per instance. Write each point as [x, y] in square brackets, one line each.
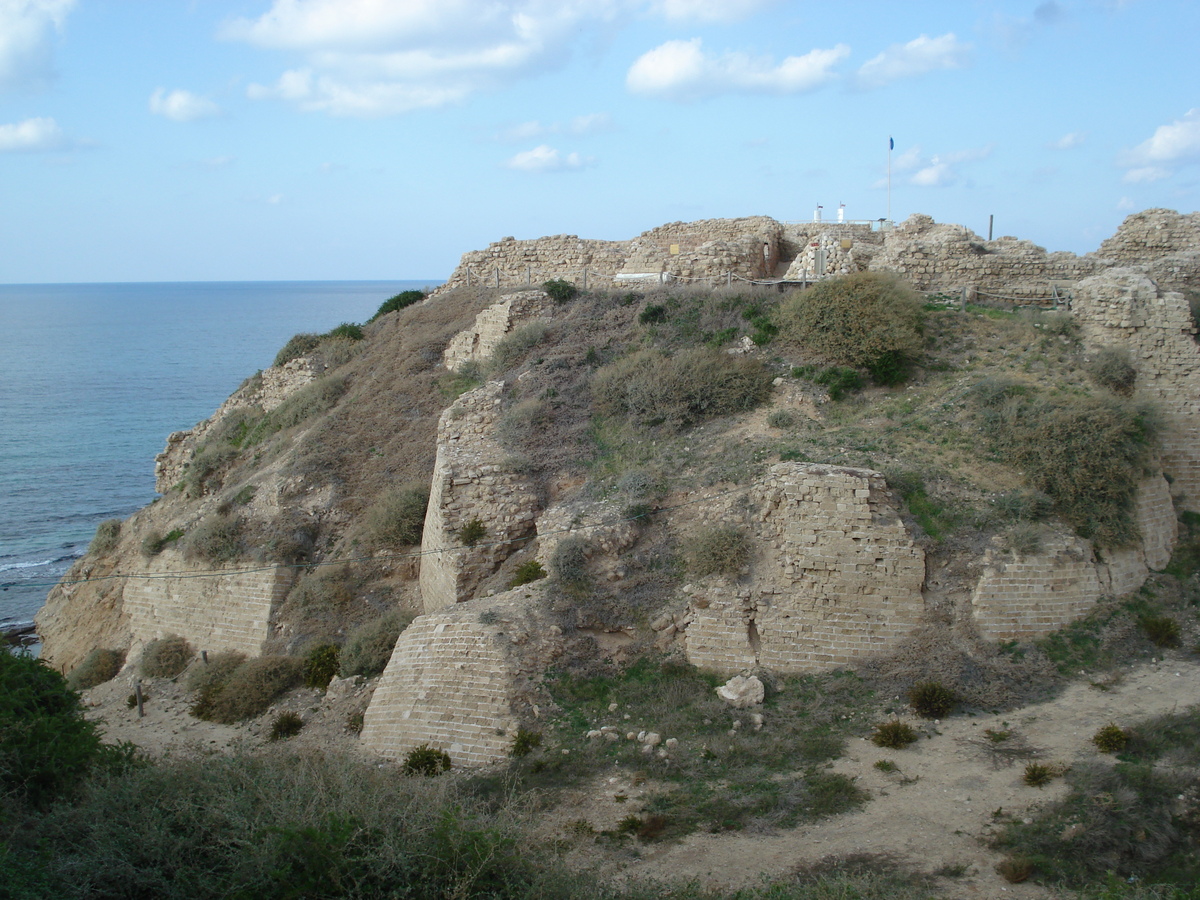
[249, 690]
[717, 550]
[321, 664]
[397, 519]
[560, 291]
[216, 539]
[108, 535]
[99, 666]
[472, 532]
[426, 760]
[369, 646]
[155, 542]
[527, 573]
[285, 725]
[893, 734]
[931, 699]
[397, 302]
[166, 657]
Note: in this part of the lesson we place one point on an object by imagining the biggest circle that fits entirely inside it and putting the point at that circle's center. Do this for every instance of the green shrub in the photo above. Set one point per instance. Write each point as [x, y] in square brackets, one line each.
[285, 725]
[297, 346]
[1163, 631]
[471, 533]
[717, 550]
[1023, 539]
[99, 666]
[560, 291]
[369, 646]
[397, 302]
[426, 760]
[783, 418]
[653, 314]
[515, 346]
[216, 539]
[46, 744]
[398, 518]
[694, 384]
[108, 535]
[1038, 774]
[568, 562]
[321, 663]
[216, 672]
[1023, 503]
[201, 474]
[155, 542]
[526, 742]
[250, 689]
[1112, 368]
[893, 734]
[166, 657]
[1088, 454]
[308, 402]
[347, 331]
[866, 320]
[1112, 738]
[839, 381]
[931, 699]
[527, 573]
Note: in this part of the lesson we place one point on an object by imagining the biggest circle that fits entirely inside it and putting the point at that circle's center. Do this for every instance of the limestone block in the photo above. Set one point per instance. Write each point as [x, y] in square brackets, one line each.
[742, 691]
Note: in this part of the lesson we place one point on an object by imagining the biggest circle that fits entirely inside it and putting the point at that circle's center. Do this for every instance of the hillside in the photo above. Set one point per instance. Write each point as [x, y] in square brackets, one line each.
[957, 461]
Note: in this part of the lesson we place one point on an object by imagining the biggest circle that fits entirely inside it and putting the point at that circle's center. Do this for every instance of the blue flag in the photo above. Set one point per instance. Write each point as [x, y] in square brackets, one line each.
[891, 144]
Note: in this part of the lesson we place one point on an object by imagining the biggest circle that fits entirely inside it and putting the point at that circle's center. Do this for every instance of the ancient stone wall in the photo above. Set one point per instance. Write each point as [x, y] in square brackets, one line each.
[937, 257]
[461, 679]
[836, 576]
[1162, 243]
[708, 250]
[231, 611]
[471, 480]
[1124, 308]
[512, 263]
[830, 249]
[479, 341]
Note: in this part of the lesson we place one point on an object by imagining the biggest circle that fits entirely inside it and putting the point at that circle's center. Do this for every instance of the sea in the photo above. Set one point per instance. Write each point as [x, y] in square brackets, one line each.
[93, 377]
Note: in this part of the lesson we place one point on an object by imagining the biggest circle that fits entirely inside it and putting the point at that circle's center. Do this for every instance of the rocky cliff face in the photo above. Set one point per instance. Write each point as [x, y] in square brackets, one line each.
[298, 464]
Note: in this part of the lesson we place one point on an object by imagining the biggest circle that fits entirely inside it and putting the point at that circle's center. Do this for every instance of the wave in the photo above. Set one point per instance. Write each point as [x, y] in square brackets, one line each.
[32, 565]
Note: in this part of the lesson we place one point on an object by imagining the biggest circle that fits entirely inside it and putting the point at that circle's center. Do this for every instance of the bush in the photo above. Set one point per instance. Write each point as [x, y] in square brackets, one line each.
[46, 745]
[1024, 504]
[515, 346]
[1163, 631]
[297, 346]
[215, 673]
[1111, 738]
[347, 331]
[692, 385]
[717, 550]
[155, 542]
[369, 646]
[568, 562]
[560, 291]
[1023, 539]
[653, 314]
[108, 535]
[894, 734]
[527, 573]
[202, 472]
[1087, 454]
[526, 742]
[931, 699]
[398, 518]
[250, 689]
[217, 539]
[1111, 368]
[471, 533]
[397, 302]
[166, 657]
[1038, 774]
[866, 320]
[320, 665]
[425, 760]
[99, 666]
[285, 725]
[839, 381]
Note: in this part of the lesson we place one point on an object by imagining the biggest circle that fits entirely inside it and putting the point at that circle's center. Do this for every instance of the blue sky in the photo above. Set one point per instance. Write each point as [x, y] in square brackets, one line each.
[348, 139]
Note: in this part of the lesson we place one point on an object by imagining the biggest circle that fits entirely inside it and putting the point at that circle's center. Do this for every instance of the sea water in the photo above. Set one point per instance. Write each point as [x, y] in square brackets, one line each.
[93, 377]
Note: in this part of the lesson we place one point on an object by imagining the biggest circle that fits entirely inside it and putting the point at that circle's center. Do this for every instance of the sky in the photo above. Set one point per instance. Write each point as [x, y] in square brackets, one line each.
[216, 140]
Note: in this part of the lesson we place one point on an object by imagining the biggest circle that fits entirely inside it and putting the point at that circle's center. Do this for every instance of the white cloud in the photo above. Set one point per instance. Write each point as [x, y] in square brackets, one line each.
[920, 55]
[382, 57]
[32, 135]
[545, 158]
[1068, 141]
[708, 10]
[680, 70]
[1170, 147]
[935, 171]
[182, 106]
[27, 28]
[1126, 204]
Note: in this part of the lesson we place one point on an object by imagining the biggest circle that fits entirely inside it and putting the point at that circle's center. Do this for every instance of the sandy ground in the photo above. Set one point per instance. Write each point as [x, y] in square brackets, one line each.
[938, 810]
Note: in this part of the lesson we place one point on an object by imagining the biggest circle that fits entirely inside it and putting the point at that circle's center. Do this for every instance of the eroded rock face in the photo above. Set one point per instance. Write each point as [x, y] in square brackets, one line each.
[836, 577]
[461, 680]
[472, 481]
[1162, 243]
[478, 342]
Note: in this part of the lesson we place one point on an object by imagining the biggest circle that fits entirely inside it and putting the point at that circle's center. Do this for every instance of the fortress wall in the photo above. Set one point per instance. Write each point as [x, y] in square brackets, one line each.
[709, 249]
[470, 481]
[1161, 242]
[224, 612]
[836, 577]
[1124, 308]
[479, 341]
[532, 262]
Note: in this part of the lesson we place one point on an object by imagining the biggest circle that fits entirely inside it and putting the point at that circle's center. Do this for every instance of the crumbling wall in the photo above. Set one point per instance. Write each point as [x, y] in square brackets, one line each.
[471, 480]
[1162, 243]
[836, 577]
[224, 611]
[261, 393]
[461, 680]
[1124, 308]
[844, 247]
[708, 250]
[509, 262]
[477, 343]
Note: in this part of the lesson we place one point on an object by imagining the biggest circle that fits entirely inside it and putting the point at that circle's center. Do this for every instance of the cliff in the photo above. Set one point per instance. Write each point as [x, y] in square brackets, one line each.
[559, 436]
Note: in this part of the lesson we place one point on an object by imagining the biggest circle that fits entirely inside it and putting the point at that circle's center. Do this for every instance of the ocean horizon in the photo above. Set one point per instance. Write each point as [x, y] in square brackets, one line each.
[96, 375]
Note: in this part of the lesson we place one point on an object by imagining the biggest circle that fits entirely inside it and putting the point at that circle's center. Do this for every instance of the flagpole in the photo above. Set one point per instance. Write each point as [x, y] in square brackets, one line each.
[891, 144]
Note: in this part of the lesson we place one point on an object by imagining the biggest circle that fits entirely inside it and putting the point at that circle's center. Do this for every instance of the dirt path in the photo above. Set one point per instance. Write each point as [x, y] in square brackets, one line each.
[937, 810]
